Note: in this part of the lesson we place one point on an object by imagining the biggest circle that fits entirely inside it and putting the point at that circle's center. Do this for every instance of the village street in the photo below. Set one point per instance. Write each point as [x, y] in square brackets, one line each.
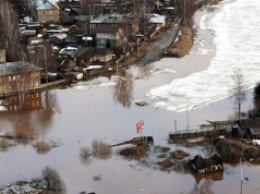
[157, 47]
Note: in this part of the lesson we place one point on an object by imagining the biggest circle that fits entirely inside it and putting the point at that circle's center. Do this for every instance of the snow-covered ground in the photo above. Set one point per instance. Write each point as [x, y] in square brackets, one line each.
[236, 28]
[53, 1]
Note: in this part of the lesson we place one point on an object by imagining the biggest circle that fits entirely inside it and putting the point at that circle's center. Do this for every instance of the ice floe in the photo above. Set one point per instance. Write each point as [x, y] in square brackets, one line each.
[236, 28]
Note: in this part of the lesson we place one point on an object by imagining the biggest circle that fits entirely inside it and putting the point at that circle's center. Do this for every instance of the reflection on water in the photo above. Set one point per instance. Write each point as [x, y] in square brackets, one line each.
[145, 69]
[203, 188]
[79, 123]
[30, 102]
[54, 181]
[4, 144]
[28, 120]
[123, 91]
[100, 150]
[213, 176]
[43, 146]
[85, 156]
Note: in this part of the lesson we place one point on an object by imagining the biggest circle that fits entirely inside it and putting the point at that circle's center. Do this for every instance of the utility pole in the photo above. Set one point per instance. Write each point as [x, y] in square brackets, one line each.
[144, 16]
[188, 119]
[184, 7]
[134, 7]
[175, 126]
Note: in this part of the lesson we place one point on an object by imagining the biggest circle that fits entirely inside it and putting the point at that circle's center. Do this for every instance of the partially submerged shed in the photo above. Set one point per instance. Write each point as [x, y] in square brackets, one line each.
[204, 165]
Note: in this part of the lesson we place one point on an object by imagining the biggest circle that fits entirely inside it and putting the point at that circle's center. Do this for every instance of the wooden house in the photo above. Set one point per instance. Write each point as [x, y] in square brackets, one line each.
[45, 11]
[31, 102]
[87, 56]
[157, 21]
[204, 165]
[18, 76]
[124, 21]
[109, 36]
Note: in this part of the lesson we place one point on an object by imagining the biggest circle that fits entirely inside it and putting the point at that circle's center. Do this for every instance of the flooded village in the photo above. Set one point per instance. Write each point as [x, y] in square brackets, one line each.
[75, 116]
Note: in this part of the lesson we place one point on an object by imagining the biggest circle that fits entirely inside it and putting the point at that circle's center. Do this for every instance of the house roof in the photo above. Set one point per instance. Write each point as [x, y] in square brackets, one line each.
[112, 18]
[106, 28]
[199, 162]
[157, 19]
[42, 5]
[17, 67]
[202, 163]
[219, 124]
[91, 51]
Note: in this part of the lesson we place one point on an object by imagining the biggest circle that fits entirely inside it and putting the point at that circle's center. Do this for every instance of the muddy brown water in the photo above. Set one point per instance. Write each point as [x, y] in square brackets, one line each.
[76, 116]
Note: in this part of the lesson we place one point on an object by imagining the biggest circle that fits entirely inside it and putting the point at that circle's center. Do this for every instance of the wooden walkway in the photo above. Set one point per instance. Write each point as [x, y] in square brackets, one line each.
[213, 129]
[197, 133]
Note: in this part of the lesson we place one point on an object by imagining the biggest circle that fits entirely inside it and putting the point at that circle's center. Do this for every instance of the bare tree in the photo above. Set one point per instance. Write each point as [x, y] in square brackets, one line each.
[123, 92]
[23, 81]
[87, 7]
[44, 58]
[53, 179]
[238, 91]
[204, 188]
[9, 33]
[21, 85]
[256, 95]
[101, 150]
[255, 111]
[84, 25]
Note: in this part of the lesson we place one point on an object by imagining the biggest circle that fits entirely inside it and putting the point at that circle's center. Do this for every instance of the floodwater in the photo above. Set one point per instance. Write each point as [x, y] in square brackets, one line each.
[101, 110]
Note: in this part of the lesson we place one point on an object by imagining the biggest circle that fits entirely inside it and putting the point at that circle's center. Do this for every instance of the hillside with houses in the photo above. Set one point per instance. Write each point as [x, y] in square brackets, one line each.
[70, 40]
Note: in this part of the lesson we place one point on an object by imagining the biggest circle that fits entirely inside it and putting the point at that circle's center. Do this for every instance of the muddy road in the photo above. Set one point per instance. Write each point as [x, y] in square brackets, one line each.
[157, 47]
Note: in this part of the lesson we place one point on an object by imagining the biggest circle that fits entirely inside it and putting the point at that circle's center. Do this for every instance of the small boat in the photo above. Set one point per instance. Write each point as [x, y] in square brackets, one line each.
[137, 141]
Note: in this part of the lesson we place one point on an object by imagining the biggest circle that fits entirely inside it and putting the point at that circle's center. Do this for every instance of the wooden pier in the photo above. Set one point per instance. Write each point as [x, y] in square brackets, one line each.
[137, 141]
[213, 129]
[196, 133]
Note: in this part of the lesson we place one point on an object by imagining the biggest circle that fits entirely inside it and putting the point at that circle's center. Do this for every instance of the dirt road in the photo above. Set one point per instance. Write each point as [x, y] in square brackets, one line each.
[157, 47]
